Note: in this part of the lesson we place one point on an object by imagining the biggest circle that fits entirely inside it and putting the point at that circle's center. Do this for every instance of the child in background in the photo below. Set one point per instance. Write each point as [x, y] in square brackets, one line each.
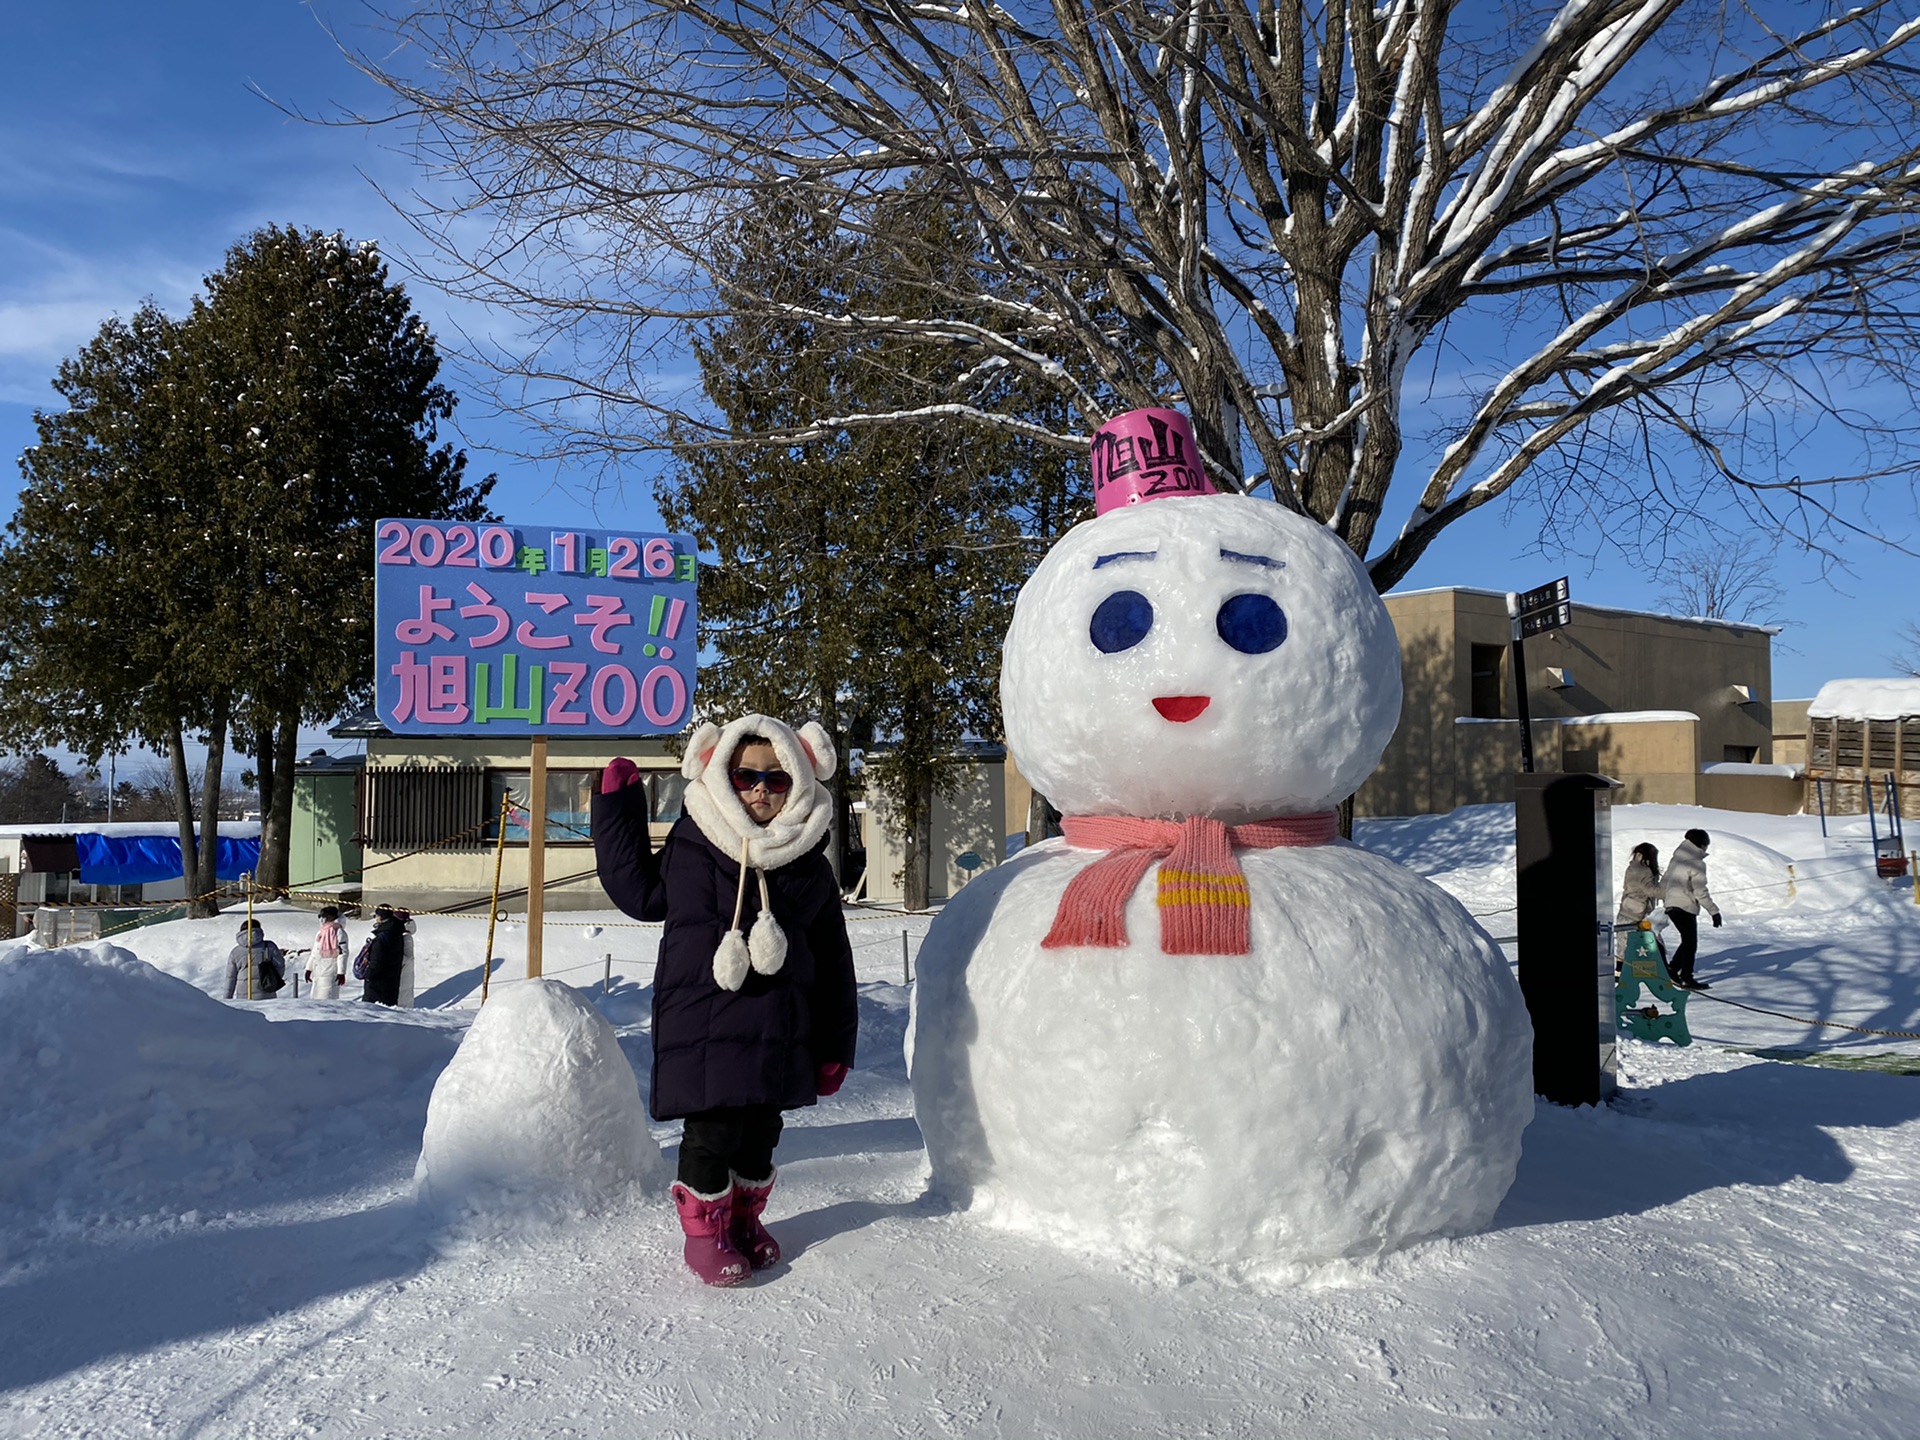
[326, 966]
[754, 1010]
[389, 964]
[1639, 893]
[255, 968]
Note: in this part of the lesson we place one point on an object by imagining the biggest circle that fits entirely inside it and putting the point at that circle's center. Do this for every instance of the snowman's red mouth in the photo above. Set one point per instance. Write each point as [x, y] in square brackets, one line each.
[1181, 708]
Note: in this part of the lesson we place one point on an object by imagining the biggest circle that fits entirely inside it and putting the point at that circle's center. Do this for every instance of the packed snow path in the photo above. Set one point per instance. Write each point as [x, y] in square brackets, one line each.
[1728, 1251]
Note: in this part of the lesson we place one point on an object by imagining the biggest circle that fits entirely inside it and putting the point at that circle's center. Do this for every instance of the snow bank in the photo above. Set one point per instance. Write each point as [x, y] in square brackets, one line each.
[130, 1090]
[538, 1112]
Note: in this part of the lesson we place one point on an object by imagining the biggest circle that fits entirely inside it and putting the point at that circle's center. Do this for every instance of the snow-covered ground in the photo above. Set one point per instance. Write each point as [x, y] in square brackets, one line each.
[206, 1222]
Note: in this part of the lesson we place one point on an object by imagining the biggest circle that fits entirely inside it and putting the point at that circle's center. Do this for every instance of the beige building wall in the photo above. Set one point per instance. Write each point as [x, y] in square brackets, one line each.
[972, 819]
[1790, 731]
[1606, 662]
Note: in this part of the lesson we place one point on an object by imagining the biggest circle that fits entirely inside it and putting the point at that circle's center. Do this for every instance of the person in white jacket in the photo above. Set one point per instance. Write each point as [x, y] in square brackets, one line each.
[1639, 893]
[1684, 893]
[327, 960]
[405, 1001]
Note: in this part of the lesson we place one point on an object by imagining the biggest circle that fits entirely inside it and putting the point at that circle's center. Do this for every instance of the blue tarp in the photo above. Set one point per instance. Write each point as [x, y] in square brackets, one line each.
[145, 859]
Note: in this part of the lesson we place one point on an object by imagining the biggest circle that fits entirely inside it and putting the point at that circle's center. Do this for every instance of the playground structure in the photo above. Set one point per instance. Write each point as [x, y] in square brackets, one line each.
[1884, 809]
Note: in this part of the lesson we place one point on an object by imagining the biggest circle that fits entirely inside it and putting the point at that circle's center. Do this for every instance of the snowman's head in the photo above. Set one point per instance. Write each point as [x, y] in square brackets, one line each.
[1212, 655]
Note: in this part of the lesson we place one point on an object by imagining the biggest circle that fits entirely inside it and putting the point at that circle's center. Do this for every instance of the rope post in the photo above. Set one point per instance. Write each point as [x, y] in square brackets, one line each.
[906, 975]
[1913, 869]
[1792, 888]
[606, 976]
[536, 856]
[246, 879]
[493, 912]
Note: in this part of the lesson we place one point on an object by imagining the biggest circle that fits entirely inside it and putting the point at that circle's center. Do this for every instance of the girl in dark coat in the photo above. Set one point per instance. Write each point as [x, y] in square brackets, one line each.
[753, 995]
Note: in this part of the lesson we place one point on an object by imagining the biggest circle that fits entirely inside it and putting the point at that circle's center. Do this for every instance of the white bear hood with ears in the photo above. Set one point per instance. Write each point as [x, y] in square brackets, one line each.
[711, 802]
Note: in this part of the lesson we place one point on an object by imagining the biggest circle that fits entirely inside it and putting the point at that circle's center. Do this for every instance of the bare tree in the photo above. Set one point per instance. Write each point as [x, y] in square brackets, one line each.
[1907, 661]
[1555, 239]
[1725, 578]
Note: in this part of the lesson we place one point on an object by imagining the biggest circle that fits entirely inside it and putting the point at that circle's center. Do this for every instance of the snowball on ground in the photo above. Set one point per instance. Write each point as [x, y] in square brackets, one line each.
[1358, 1082]
[538, 1110]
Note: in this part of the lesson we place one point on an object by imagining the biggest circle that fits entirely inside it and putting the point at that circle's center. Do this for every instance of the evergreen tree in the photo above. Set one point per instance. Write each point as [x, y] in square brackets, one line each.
[193, 551]
[864, 576]
[108, 600]
[35, 790]
[327, 389]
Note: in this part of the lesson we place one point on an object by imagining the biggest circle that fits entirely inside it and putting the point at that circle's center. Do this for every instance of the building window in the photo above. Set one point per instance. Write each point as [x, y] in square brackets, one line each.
[1739, 754]
[569, 806]
[666, 789]
[409, 806]
[1489, 695]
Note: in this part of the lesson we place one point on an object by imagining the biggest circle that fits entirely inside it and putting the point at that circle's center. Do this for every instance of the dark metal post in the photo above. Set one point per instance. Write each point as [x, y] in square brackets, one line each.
[1519, 648]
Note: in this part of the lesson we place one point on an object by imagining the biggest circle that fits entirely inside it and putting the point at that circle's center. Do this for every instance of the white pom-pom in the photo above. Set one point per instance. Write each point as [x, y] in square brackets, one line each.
[730, 962]
[767, 944]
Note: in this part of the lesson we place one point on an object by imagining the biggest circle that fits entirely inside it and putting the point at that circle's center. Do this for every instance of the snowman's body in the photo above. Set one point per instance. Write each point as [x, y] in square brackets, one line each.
[1361, 1077]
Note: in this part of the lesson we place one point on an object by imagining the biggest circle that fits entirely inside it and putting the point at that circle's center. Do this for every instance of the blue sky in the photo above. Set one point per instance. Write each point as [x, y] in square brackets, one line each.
[134, 152]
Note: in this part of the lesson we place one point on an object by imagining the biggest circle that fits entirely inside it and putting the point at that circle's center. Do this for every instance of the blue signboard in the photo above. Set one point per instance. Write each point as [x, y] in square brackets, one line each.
[499, 630]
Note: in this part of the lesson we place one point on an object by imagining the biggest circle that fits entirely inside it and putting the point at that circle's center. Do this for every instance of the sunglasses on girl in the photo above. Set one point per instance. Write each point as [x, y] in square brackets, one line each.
[778, 782]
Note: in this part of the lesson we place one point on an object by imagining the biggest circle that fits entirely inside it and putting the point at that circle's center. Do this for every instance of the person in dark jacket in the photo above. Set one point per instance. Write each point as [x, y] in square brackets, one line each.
[754, 1009]
[387, 956]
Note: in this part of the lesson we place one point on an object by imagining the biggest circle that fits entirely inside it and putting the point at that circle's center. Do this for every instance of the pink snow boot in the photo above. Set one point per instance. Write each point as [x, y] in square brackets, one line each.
[750, 1237]
[706, 1219]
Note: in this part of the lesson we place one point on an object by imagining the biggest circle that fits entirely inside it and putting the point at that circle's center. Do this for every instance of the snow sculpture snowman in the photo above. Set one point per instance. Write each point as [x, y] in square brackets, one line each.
[1200, 1029]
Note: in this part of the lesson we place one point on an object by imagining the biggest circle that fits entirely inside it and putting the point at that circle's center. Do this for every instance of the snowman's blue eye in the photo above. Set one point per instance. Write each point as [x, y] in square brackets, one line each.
[1252, 624]
[1121, 622]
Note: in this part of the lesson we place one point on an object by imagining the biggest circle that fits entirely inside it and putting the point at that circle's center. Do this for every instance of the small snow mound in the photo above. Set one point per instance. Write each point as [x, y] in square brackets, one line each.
[538, 1111]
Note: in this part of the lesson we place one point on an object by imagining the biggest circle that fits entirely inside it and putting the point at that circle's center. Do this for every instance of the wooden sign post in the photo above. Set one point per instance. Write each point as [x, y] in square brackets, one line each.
[536, 855]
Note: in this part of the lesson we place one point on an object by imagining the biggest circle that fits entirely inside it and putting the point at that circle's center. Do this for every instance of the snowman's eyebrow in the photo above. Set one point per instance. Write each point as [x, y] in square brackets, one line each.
[1267, 561]
[1125, 555]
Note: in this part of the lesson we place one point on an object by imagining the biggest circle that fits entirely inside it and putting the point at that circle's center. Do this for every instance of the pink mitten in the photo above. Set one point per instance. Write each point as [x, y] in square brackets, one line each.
[618, 775]
[827, 1080]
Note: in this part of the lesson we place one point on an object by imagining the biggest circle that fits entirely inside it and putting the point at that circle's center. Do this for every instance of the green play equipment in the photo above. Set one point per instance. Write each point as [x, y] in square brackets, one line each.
[1645, 999]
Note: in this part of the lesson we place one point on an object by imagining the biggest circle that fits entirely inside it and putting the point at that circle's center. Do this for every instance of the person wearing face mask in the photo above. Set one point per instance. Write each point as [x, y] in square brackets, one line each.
[754, 1009]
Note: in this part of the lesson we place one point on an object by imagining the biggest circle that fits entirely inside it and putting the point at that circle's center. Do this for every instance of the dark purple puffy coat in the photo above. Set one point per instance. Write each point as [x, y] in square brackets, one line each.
[760, 1044]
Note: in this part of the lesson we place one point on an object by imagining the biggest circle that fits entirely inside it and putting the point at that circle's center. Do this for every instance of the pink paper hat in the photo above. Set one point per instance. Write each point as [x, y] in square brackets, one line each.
[1146, 455]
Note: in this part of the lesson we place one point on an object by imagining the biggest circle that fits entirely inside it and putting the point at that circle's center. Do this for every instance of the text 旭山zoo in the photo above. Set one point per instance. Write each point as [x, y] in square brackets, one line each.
[561, 631]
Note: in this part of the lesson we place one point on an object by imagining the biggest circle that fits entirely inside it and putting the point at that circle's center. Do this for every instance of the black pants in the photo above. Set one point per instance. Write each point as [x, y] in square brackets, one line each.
[1687, 925]
[734, 1140]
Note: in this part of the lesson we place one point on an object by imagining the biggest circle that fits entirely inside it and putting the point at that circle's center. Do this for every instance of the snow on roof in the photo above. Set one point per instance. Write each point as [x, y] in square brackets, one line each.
[232, 829]
[1866, 700]
[1747, 767]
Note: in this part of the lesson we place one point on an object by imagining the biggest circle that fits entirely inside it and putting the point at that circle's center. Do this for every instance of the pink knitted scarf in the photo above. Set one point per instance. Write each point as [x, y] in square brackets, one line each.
[1203, 894]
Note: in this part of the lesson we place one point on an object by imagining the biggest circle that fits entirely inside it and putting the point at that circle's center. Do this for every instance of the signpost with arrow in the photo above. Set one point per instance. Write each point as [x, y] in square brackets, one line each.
[1547, 607]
